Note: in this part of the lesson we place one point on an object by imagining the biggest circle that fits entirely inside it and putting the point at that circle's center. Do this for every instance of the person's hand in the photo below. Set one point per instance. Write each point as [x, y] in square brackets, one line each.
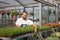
[35, 30]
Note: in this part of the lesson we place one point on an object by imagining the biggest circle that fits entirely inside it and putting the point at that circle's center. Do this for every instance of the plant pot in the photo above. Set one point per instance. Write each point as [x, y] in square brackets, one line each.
[14, 17]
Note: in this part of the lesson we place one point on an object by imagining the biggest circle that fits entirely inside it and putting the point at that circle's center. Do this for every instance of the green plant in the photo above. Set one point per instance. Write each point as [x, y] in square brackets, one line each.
[36, 36]
[43, 28]
[15, 13]
[31, 14]
[14, 31]
[51, 38]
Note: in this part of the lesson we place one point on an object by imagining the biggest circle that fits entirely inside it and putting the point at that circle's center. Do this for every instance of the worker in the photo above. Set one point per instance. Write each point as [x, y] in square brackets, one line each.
[24, 21]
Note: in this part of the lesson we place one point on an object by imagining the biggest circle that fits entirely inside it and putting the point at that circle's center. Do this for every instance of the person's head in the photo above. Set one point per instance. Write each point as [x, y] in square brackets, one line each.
[24, 15]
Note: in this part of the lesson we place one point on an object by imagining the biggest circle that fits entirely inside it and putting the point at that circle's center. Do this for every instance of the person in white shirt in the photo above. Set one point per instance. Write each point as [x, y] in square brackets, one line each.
[24, 20]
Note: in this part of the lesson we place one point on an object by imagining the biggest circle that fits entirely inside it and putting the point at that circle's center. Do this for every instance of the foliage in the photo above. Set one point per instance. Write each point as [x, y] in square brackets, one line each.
[39, 29]
[15, 13]
[36, 36]
[14, 31]
[43, 28]
[31, 14]
[56, 34]
[51, 38]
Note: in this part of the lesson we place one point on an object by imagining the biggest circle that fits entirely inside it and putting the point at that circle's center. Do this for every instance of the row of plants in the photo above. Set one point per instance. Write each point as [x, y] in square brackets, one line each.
[43, 28]
[14, 31]
[52, 24]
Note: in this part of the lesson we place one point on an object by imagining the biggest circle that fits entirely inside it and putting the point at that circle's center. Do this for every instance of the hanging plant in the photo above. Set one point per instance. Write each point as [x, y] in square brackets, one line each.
[32, 14]
[14, 14]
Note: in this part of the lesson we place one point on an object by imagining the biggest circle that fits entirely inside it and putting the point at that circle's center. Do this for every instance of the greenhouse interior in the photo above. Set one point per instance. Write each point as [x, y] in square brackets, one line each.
[29, 20]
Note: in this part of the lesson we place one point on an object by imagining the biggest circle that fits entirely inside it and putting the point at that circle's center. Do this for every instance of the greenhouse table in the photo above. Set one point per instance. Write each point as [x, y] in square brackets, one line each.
[17, 37]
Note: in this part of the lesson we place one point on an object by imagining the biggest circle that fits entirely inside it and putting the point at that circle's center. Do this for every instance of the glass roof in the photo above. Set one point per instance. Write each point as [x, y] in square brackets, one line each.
[4, 3]
[24, 2]
[7, 3]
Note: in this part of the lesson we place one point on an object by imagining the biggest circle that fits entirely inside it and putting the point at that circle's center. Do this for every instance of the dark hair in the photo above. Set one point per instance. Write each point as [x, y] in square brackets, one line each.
[24, 12]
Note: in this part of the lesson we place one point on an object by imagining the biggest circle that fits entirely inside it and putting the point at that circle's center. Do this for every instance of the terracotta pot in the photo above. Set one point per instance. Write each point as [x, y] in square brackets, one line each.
[52, 24]
[58, 25]
[14, 17]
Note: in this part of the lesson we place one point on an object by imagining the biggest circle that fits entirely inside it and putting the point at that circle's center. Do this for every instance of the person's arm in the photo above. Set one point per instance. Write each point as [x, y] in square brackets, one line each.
[35, 27]
[17, 23]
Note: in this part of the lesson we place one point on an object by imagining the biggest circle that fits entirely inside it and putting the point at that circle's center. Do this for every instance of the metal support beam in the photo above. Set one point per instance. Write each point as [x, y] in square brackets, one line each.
[19, 2]
[30, 6]
[10, 6]
[40, 15]
[45, 2]
[24, 8]
[4, 2]
[56, 14]
[33, 14]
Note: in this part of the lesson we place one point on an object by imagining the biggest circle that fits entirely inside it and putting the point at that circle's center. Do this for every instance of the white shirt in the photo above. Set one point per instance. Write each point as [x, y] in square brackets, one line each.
[20, 21]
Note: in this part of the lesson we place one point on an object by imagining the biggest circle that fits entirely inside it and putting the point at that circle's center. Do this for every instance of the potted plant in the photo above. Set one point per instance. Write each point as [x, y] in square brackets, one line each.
[32, 14]
[14, 14]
